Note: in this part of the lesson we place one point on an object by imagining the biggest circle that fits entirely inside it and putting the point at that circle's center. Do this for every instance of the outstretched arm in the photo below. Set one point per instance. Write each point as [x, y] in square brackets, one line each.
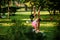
[39, 12]
[38, 18]
[34, 10]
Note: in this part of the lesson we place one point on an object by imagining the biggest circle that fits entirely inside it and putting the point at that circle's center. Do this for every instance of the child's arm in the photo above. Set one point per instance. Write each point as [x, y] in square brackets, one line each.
[39, 17]
[34, 10]
[39, 12]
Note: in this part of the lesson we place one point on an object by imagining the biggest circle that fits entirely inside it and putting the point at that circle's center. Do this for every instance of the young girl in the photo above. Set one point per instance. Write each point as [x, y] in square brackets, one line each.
[36, 21]
[35, 25]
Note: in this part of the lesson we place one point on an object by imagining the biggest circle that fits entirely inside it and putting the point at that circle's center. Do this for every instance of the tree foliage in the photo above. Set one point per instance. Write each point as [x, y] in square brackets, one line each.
[53, 5]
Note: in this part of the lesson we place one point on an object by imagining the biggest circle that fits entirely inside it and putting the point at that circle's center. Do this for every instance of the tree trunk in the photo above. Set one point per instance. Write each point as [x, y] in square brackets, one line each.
[0, 11]
[54, 11]
[31, 7]
[25, 7]
[9, 4]
[8, 11]
[59, 11]
[8, 8]
[0, 8]
[49, 12]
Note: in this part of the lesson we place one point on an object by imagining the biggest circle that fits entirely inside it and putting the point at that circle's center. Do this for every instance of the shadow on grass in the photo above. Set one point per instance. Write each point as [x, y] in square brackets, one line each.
[57, 32]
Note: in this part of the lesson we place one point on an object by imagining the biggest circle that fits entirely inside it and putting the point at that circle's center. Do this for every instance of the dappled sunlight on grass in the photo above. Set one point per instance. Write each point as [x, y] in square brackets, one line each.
[22, 19]
[5, 19]
[44, 12]
[7, 24]
[25, 19]
[28, 13]
[24, 13]
[45, 31]
[47, 24]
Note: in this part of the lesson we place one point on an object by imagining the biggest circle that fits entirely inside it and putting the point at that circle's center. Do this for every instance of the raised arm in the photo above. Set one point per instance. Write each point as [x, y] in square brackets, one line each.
[38, 18]
[39, 12]
[34, 10]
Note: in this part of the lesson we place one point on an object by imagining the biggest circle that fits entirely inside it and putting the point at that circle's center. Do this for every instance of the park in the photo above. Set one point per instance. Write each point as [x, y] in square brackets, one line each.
[16, 17]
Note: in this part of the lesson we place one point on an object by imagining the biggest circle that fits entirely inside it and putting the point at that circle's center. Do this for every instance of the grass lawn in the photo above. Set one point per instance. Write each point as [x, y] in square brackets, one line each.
[47, 27]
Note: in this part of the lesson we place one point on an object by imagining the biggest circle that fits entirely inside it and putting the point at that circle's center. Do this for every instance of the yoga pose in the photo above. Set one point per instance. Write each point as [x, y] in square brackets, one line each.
[36, 21]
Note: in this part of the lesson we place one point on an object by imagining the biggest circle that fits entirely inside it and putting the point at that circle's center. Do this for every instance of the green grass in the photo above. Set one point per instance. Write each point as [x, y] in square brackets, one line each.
[49, 30]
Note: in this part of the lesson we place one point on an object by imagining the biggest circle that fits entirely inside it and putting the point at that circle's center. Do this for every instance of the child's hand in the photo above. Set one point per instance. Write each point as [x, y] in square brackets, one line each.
[39, 7]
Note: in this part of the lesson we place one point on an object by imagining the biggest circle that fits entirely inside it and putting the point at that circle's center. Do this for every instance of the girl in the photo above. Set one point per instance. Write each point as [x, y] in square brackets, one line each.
[36, 21]
[35, 25]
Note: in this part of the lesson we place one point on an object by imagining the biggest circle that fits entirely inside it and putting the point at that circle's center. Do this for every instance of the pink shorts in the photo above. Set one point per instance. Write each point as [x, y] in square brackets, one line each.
[34, 24]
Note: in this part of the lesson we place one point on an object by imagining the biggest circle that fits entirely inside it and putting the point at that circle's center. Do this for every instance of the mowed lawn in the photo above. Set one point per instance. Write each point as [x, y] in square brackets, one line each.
[46, 26]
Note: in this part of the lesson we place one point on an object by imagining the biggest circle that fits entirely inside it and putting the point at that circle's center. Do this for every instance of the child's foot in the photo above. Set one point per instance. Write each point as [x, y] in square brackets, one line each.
[37, 31]
[34, 30]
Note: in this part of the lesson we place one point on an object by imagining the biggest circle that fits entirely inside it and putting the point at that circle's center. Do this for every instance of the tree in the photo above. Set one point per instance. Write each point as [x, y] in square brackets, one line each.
[2, 3]
[53, 5]
[22, 1]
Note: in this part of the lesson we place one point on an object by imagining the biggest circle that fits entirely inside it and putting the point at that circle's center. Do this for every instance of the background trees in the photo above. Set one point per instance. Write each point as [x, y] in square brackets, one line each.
[53, 5]
[50, 5]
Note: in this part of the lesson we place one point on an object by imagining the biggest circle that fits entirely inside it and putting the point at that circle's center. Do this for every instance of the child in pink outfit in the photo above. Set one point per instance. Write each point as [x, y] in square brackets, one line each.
[36, 21]
[34, 24]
